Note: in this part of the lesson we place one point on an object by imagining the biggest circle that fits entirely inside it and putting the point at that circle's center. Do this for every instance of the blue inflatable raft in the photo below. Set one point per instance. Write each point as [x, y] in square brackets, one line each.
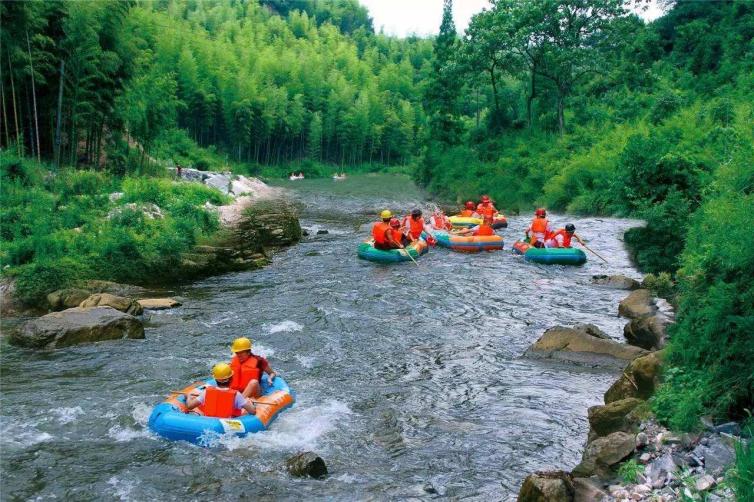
[171, 421]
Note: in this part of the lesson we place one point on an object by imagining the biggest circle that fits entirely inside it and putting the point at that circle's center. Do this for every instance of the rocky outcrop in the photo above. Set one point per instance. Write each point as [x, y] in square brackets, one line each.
[605, 452]
[582, 346]
[586, 490]
[78, 325]
[646, 332]
[547, 486]
[67, 298]
[613, 417]
[616, 282]
[306, 464]
[639, 380]
[127, 305]
[271, 223]
[158, 303]
[113, 288]
[638, 304]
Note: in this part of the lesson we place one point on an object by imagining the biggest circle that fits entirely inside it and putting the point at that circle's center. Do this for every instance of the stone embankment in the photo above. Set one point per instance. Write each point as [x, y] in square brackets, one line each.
[657, 465]
[257, 221]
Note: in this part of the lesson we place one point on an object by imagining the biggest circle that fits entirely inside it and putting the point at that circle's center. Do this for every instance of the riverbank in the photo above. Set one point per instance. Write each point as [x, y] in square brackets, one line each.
[628, 455]
[61, 228]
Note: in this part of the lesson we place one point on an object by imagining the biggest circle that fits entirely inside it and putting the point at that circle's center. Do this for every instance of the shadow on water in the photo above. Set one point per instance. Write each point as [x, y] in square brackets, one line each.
[406, 376]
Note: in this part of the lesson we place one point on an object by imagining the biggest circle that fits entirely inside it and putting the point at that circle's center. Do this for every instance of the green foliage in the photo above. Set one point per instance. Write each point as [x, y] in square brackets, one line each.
[661, 285]
[742, 475]
[629, 471]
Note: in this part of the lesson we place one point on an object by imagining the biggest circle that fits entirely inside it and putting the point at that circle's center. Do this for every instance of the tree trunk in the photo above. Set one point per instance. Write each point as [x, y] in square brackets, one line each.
[60, 114]
[15, 113]
[494, 90]
[5, 113]
[34, 96]
[530, 97]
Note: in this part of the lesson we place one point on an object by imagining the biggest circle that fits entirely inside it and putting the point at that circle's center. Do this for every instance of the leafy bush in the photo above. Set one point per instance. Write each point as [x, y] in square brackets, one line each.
[742, 474]
[629, 470]
[661, 285]
[35, 280]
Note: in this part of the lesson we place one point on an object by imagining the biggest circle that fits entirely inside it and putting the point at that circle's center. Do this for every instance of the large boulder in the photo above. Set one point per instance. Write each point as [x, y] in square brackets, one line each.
[270, 223]
[78, 325]
[613, 417]
[586, 490]
[583, 347]
[646, 332]
[114, 288]
[158, 303]
[718, 454]
[638, 304]
[127, 305]
[640, 379]
[551, 486]
[67, 298]
[603, 453]
[616, 282]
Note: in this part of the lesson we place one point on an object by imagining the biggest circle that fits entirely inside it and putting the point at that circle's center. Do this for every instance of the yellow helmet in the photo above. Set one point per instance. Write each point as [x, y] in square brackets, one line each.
[221, 371]
[240, 344]
[386, 214]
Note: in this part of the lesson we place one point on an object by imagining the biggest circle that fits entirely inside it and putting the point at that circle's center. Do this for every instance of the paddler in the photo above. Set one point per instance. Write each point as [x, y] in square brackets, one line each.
[486, 208]
[220, 401]
[248, 368]
[561, 238]
[483, 229]
[439, 221]
[414, 225]
[382, 233]
[539, 230]
[398, 233]
[469, 210]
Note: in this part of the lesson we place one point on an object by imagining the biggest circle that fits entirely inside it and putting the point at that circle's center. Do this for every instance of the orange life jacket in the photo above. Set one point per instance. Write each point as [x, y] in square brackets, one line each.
[566, 238]
[486, 210]
[440, 222]
[466, 213]
[539, 228]
[244, 373]
[397, 234]
[219, 403]
[415, 227]
[378, 232]
[484, 229]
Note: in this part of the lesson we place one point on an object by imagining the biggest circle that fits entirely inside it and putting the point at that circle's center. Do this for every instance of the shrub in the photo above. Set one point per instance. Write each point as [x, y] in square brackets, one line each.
[35, 280]
[630, 470]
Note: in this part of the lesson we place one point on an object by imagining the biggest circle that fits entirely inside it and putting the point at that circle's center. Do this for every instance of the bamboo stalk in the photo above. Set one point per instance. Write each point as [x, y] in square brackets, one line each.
[34, 97]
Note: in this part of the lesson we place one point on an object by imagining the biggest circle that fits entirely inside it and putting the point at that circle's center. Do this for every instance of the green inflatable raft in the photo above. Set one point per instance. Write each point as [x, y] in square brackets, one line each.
[367, 251]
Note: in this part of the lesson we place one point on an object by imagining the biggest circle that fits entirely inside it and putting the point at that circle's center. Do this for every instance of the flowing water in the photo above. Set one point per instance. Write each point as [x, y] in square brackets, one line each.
[410, 380]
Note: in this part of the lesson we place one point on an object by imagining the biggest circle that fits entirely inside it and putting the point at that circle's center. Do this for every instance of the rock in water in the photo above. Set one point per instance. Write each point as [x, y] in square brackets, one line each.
[306, 464]
[78, 325]
[647, 332]
[67, 298]
[158, 303]
[613, 417]
[581, 346]
[637, 305]
[127, 305]
[615, 281]
[639, 379]
[552, 486]
[603, 453]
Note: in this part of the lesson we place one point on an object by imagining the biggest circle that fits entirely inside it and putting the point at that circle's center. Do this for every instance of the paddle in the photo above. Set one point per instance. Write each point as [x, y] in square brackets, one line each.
[592, 251]
[408, 253]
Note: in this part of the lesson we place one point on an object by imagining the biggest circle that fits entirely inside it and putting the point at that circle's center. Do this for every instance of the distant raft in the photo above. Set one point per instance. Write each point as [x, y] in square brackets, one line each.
[170, 420]
[499, 221]
[550, 256]
[468, 243]
[367, 251]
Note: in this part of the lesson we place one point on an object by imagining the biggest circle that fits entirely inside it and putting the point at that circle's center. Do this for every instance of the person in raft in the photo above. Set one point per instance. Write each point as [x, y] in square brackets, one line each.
[383, 235]
[561, 238]
[439, 221]
[414, 225]
[539, 230]
[248, 368]
[221, 401]
[398, 234]
[469, 210]
[486, 208]
[483, 229]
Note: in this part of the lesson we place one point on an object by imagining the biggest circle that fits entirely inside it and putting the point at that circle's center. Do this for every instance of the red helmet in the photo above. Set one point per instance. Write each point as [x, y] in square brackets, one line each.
[485, 198]
[395, 223]
[540, 212]
[470, 205]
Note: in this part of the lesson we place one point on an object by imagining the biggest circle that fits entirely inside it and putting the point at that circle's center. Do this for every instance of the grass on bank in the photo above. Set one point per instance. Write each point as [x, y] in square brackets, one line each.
[58, 227]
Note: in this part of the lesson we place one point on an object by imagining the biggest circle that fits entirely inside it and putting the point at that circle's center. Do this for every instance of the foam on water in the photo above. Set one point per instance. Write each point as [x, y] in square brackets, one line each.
[124, 434]
[284, 327]
[123, 488]
[21, 433]
[306, 361]
[299, 428]
[68, 415]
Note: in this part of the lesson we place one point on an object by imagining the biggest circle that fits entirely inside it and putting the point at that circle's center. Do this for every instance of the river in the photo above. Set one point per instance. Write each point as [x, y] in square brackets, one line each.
[410, 380]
